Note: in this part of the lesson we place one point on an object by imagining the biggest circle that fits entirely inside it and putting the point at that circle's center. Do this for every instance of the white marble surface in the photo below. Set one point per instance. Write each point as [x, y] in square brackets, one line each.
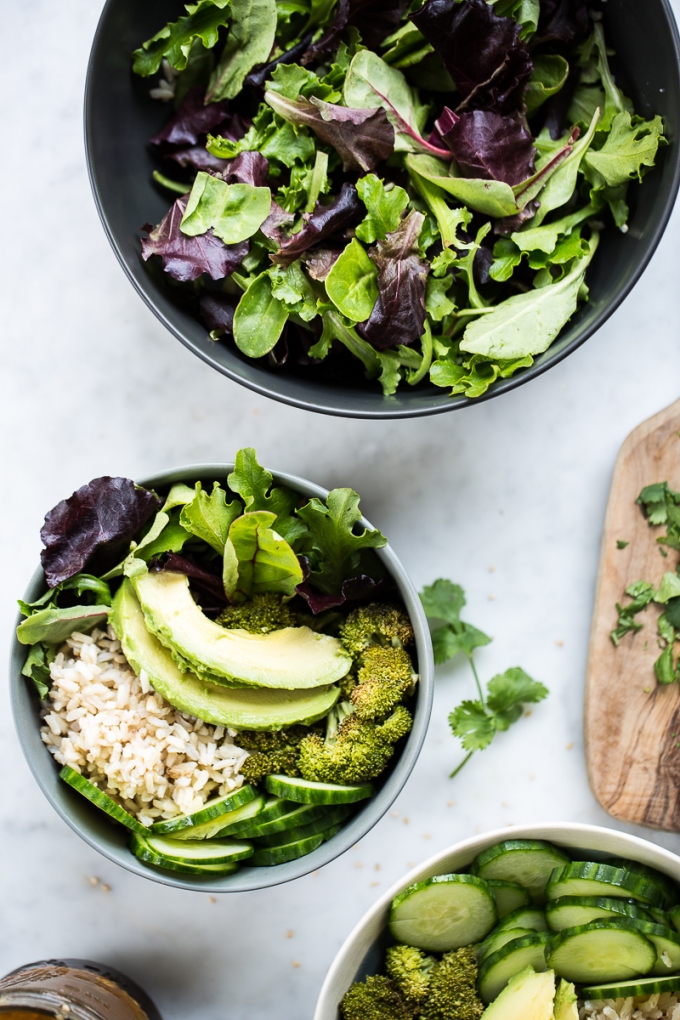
[93, 384]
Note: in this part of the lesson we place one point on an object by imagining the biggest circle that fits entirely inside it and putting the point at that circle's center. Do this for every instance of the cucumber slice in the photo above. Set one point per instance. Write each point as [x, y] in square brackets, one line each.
[269, 856]
[101, 800]
[629, 989]
[525, 917]
[509, 896]
[666, 942]
[667, 884]
[659, 917]
[498, 939]
[497, 969]
[574, 911]
[601, 951]
[297, 815]
[443, 913]
[273, 809]
[222, 825]
[587, 878]
[330, 817]
[207, 851]
[157, 861]
[210, 811]
[306, 792]
[529, 862]
[674, 915]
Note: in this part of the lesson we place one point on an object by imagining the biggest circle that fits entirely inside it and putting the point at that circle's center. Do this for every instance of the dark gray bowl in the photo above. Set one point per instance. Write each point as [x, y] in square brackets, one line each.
[120, 118]
[111, 839]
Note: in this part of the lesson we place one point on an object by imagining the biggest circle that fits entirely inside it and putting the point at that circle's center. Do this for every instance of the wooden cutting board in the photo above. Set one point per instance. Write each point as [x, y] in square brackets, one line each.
[632, 724]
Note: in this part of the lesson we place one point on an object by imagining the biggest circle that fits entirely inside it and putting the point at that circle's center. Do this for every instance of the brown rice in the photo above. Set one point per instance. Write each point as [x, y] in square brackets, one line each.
[653, 1007]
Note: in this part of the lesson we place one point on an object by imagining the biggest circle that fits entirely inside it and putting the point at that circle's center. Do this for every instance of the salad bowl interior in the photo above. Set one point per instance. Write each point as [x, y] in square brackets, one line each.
[363, 951]
[120, 117]
[111, 840]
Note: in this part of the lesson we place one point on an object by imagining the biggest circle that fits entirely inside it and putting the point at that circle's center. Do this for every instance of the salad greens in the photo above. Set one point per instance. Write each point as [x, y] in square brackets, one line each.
[475, 722]
[661, 506]
[401, 192]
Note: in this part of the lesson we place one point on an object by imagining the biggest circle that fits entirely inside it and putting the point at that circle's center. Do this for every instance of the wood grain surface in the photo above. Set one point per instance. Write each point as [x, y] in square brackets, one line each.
[632, 724]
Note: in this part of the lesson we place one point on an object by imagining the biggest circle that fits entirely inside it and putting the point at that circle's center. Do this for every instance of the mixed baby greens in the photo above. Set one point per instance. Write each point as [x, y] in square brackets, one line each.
[390, 190]
[247, 607]
[661, 506]
[475, 722]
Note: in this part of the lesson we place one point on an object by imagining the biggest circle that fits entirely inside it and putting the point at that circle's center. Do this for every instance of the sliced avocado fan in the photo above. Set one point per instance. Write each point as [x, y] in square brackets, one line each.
[252, 708]
[290, 659]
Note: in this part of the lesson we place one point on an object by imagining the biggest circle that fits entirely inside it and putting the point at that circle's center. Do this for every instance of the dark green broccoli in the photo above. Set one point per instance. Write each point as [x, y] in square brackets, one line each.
[385, 676]
[354, 750]
[373, 624]
[410, 970]
[452, 992]
[269, 752]
[376, 998]
[262, 614]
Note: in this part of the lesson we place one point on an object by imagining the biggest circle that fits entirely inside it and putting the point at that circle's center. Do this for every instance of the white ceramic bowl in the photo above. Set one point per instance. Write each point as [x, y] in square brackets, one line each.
[362, 952]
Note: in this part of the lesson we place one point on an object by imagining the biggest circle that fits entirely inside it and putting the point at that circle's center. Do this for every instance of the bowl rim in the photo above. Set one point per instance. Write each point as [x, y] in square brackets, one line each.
[245, 879]
[440, 402]
[575, 835]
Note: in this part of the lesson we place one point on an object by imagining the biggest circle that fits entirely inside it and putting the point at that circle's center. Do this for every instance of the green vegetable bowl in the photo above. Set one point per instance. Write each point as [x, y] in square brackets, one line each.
[111, 839]
[133, 186]
[363, 952]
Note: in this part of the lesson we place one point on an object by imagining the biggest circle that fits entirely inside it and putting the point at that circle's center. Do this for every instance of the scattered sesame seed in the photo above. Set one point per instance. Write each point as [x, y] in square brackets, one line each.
[559, 643]
[94, 880]
[426, 835]
[450, 803]
[211, 899]
[491, 598]
[358, 864]
[376, 867]
[570, 745]
[296, 964]
[289, 933]
[373, 884]
[394, 814]
[105, 887]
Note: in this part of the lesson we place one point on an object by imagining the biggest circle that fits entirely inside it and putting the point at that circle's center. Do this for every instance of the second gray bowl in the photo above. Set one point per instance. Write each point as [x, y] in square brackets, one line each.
[111, 840]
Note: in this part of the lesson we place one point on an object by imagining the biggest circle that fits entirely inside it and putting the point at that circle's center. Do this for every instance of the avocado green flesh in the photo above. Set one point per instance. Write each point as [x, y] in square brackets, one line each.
[289, 659]
[527, 996]
[242, 708]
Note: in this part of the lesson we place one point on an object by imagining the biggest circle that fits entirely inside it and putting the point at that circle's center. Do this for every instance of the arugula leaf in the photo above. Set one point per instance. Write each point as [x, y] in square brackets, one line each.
[249, 43]
[526, 324]
[398, 316]
[233, 211]
[384, 208]
[546, 237]
[448, 220]
[351, 284]
[54, 625]
[336, 539]
[259, 318]
[253, 483]
[257, 559]
[186, 258]
[549, 75]
[562, 184]
[174, 42]
[209, 517]
[293, 82]
[362, 138]
[437, 304]
[630, 145]
[291, 285]
[276, 139]
[37, 668]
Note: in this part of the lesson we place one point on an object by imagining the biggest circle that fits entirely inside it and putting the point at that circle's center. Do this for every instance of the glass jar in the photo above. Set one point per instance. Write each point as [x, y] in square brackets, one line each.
[72, 990]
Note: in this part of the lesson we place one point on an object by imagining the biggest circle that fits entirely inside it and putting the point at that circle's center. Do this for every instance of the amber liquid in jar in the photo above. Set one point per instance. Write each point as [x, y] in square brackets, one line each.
[72, 990]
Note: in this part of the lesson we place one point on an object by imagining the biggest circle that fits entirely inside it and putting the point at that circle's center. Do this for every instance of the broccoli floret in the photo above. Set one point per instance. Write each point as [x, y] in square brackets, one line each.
[376, 998]
[410, 970]
[354, 750]
[385, 676]
[375, 624]
[269, 752]
[452, 993]
[262, 614]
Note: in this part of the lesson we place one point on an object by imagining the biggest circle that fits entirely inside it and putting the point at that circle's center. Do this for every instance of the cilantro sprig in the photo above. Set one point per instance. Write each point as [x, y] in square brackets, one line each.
[475, 721]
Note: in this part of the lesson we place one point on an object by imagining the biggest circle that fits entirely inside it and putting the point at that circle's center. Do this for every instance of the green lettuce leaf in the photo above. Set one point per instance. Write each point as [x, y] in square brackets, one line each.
[253, 483]
[54, 625]
[209, 517]
[257, 559]
[336, 539]
[250, 42]
[372, 83]
[352, 283]
[384, 208]
[630, 145]
[259, 318]
[234, 211]
[174, 42]
[37, 668]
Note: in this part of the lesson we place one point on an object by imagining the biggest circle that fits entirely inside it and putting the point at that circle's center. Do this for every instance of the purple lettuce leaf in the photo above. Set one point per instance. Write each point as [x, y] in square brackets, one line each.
[489, 145]
[257, 78]
[320, 262]
[398, 316]
[247, 168]
[374, 19]
[217, 312]
[192, 120]
[206, 586]
[94, 525]
[347, 210]
[362, 138]
[186, 258]
[481, 51]
[198, 158]
[353, 589]
[277, 219]
[562, 21]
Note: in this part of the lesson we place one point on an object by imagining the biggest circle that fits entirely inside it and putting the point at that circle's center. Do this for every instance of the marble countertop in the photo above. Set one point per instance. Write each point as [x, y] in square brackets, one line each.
[506, 497]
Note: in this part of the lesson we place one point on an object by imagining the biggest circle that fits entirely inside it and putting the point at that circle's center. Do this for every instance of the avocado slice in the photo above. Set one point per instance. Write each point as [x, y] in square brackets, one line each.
[289, 659]
[527, 996]
[245, 708]
[566, 1002]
